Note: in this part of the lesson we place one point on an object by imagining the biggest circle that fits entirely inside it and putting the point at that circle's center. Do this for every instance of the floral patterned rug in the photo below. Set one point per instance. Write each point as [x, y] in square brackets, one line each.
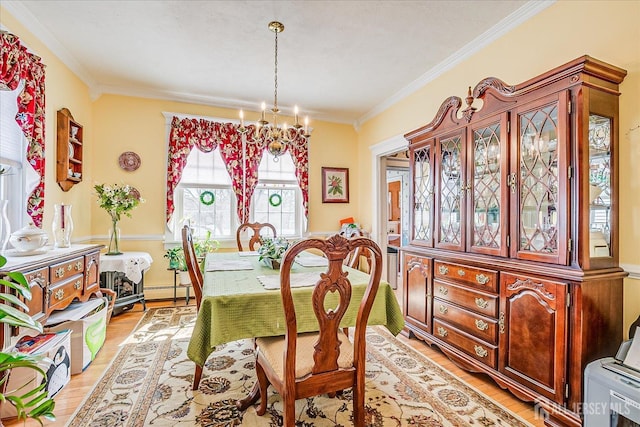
[149, 384]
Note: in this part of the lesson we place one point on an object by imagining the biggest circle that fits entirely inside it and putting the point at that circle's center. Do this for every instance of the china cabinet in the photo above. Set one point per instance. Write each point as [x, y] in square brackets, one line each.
[69, 145]
[512, 269]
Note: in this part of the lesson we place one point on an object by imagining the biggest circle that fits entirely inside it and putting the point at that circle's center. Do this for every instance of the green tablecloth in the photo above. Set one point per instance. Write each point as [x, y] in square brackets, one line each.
[235, 305]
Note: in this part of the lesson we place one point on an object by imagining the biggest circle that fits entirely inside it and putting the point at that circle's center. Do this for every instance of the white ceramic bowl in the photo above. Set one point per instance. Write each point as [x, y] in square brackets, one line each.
[29, 238]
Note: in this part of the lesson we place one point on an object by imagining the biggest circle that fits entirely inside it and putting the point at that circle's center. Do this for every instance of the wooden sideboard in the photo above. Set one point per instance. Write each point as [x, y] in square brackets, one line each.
[57, 278]
[512, 268]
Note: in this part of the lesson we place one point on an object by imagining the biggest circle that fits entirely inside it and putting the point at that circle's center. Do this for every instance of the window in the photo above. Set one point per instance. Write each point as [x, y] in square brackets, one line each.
[277, 198]
[19, 178]
[205, 199]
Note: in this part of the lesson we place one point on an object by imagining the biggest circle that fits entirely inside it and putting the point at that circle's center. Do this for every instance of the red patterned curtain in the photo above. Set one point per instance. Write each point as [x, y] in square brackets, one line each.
[241, 156]
[16, 65]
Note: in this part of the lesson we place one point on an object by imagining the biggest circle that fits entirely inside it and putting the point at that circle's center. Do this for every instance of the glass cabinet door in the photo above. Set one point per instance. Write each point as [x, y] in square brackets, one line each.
[541, 189]
[451, 193]
[488, 195]
[599, 186]
[423, 195]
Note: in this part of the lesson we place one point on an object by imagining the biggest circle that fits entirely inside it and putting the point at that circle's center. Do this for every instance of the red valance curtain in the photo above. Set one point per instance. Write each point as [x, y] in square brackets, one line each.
[16, 65]
[241, 156]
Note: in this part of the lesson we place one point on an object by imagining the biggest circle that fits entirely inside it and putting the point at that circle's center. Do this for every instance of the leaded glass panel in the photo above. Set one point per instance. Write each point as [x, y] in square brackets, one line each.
[486, 187]
[539, 180]
[423, 190]
[599, 185]
[450, 190]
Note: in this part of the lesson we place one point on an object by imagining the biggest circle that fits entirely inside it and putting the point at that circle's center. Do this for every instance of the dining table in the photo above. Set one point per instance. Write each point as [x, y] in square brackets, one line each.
[235, 303]
[241, 299]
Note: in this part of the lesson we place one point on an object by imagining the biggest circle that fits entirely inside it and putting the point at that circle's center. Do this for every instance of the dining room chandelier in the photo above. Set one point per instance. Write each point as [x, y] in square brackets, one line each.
[277, 135]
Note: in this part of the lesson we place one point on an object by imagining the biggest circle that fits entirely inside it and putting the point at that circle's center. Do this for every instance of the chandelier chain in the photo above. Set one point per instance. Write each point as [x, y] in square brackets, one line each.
[275, 90]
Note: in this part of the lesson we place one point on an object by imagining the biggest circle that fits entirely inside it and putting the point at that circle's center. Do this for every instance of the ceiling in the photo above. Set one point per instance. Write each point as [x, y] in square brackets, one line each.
[341, 61]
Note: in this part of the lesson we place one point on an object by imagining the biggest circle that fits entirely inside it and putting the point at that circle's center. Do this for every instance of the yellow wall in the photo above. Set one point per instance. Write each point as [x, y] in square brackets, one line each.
[606, 30]
[136, 124]
[62, 89]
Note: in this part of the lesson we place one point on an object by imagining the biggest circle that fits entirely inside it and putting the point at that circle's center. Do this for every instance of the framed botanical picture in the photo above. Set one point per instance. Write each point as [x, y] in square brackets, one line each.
[335, 185]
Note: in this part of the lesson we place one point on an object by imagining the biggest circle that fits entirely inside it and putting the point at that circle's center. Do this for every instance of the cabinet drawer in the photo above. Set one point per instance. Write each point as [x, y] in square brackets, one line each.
[475, 324]
[61, 295]
[64, 270]
[37, 280]
[486, 280]
[479, 302]
[479, 350]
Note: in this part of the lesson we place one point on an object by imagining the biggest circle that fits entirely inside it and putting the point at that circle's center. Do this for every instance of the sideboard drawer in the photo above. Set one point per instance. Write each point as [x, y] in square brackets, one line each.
[480, 278]
[475, 324]
[63, 293]
[38, 280]
[64, 270]
[479, 350]
[479, 302]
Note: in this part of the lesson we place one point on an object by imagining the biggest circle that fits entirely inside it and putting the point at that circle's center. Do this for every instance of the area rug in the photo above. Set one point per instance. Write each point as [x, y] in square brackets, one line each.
[149, 384]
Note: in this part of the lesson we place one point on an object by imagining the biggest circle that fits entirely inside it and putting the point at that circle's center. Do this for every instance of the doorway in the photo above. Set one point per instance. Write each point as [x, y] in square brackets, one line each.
[396, 172]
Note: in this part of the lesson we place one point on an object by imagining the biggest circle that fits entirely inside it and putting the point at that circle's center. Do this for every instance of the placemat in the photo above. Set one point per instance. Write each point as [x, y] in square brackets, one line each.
[312, 261]
[298, 280]
[229, 264]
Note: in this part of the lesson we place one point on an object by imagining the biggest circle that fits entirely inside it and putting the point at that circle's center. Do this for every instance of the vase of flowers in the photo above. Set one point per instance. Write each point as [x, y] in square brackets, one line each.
[271, 251]
[117, 200]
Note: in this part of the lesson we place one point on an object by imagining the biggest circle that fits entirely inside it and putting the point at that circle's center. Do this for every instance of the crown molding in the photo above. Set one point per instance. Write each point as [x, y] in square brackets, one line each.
[505, 25]
[27, 19]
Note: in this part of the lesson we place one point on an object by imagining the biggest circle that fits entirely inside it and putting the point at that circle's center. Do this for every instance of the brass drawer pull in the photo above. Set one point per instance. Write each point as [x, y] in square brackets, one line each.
[482, 303]
[59, 294]
[443, 290]
[442, 331]
[443, 269]
[78, 284]
[461, 273]
[482, 325]
[59, 272]
[69, 267]
[442, 309]
[79, 266]
[480, 351]
[482, 279]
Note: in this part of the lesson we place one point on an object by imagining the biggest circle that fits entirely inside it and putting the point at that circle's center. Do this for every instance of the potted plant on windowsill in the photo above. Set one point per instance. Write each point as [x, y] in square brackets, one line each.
[27, 403]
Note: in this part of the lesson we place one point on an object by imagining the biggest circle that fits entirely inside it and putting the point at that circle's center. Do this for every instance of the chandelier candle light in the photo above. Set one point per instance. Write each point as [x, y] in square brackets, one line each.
[277, 136]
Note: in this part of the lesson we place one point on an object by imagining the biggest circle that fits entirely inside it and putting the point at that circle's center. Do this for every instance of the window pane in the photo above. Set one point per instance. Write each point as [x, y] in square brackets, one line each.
[209, 209]
[282, 170]
[205, 168]
[276, 204]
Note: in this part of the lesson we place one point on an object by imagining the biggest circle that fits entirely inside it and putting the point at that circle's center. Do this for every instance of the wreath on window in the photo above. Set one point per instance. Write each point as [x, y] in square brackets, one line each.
[275, 200]
[207, 198]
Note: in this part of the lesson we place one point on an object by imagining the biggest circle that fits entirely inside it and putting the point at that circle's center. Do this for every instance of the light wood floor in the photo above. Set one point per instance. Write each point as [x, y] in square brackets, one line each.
[121, 326]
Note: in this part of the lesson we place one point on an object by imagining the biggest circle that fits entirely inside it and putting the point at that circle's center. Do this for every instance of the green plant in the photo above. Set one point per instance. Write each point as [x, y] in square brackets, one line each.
[117, 200]
[176, 258]
[28, 403]
[272, 248]
[201, 247]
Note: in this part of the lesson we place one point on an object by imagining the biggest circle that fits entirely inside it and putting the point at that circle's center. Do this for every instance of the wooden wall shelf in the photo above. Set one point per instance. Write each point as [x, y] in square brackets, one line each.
[69, 146]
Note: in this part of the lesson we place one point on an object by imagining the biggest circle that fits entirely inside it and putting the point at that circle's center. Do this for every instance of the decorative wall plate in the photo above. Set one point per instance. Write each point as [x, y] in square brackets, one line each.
[129, 161]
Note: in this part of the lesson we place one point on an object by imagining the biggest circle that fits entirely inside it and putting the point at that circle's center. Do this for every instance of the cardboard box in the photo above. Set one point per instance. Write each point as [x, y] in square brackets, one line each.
[88, 324]
[58, 351]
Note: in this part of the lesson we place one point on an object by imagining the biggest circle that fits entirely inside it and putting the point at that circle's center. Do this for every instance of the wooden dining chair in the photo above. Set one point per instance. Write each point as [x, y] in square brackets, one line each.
[257, 227]
[310, 364]
[196, 281]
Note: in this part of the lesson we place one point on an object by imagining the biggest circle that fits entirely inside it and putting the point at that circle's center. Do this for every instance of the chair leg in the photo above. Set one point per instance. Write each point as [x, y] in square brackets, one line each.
[358, 404]
[196, 377]
[289, 412]
[263, 384]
